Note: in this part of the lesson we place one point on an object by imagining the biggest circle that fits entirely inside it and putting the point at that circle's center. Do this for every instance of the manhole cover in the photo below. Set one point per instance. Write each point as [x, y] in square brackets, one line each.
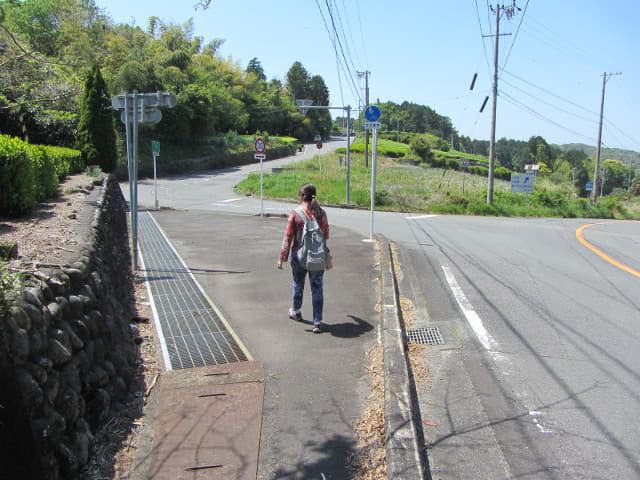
[425, 336]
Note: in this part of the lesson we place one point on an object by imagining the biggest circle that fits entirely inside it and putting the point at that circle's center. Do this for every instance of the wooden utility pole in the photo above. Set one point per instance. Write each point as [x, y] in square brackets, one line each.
[594, 191]
[509, 11]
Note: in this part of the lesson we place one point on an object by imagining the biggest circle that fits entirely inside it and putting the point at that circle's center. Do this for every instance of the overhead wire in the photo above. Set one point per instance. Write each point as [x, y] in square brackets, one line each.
[337, 44]
[542, 117]
[551, 93]
[591, 120]
[482, 36]
[344, 37]
[515, 37]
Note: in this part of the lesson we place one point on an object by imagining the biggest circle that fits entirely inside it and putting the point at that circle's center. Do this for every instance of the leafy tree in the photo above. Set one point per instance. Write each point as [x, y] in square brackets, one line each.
[298, 81]
[616, 175]
[420, 146]
[96, 135]
[539, 151]
[321, 118]
[256, 68]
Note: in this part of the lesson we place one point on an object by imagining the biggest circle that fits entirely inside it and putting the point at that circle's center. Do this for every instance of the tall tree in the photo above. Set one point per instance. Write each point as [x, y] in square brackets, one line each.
[298, 81]
[96, 134]
[319, 93]
[255, 67]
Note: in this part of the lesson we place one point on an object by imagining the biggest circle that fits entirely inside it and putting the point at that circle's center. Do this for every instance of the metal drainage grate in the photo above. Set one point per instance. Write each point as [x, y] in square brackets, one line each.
[425, 336]
[192, 333]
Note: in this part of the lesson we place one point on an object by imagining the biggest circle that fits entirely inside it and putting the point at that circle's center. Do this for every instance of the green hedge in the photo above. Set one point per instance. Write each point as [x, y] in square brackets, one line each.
[30, 173]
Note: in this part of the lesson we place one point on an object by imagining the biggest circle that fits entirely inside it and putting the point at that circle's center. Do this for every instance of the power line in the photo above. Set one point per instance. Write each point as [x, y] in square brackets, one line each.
[484, 46]
[622, 132]
[335, 38]
[515, 37]
[551, 93]
[549, 104]
[538, 115]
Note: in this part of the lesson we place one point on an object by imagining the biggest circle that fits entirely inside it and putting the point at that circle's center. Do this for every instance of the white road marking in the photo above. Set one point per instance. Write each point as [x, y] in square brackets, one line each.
[470, 314]
[418, 217]
[491, 345]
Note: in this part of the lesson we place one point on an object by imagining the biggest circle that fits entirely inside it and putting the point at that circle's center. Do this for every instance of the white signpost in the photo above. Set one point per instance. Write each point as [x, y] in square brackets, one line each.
[260, 147]
[372, 114]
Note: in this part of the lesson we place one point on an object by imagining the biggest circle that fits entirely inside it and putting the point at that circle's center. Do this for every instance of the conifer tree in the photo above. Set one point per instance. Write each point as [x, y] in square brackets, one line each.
[96, 133]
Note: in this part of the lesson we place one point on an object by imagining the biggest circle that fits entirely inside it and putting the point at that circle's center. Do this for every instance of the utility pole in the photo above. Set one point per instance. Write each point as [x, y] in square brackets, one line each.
[366, 134]
[510, 12]
[594, 192]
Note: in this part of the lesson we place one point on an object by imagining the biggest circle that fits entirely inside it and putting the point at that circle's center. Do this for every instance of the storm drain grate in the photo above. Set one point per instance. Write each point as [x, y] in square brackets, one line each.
[192, 333]
[425, 336]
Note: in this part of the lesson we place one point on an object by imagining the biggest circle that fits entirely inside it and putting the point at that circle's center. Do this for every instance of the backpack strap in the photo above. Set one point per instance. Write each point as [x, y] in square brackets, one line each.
[303, 216]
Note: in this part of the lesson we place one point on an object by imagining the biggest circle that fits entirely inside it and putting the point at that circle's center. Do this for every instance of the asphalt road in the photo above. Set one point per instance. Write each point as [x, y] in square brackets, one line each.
[538, 377]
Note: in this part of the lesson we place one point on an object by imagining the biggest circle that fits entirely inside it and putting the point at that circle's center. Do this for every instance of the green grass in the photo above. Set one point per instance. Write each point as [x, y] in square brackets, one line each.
[430, 190]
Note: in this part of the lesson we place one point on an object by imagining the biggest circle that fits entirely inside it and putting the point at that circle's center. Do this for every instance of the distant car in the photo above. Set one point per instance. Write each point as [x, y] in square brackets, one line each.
[317, 138]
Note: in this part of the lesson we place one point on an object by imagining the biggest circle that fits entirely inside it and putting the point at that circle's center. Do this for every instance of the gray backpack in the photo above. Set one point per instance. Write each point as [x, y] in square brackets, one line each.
[314, 253]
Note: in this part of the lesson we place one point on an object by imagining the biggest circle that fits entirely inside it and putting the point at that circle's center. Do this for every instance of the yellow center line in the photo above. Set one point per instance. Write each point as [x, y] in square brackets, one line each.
[601, 253]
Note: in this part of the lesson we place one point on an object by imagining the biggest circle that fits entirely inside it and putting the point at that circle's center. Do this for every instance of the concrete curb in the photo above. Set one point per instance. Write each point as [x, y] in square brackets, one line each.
[406, 457]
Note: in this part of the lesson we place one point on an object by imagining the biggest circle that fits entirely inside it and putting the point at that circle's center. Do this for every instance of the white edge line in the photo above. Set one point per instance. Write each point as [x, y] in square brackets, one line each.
[472, 317]
[240, 343]
[418, 217]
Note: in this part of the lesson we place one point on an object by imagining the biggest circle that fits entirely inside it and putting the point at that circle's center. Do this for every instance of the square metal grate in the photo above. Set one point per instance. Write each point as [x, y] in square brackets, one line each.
[425, 336]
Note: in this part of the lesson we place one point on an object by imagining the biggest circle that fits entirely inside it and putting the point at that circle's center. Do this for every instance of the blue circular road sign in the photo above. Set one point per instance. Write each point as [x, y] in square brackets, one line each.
[372, 113]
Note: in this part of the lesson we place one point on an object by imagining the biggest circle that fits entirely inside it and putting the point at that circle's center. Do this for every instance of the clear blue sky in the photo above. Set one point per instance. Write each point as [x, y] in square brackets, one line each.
[427, 52]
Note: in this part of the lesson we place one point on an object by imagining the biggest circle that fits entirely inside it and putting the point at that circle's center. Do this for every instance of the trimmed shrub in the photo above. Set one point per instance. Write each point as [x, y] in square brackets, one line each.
[45, 183]
[17, 178]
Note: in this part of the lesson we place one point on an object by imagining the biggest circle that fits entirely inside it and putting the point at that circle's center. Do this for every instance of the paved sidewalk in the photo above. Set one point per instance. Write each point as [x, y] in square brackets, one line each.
[290, 413]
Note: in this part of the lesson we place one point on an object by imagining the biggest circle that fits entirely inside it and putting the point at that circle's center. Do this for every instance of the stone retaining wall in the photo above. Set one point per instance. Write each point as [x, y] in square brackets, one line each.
[67, 353]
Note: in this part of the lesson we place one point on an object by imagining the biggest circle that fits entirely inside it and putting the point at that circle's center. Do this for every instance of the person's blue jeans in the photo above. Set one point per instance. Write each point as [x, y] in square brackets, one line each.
[315, 280]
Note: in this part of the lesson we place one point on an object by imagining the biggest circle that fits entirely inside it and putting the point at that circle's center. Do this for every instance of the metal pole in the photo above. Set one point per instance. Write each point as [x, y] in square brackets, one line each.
[135, 181]
[261, 191]
[366, 144]
[374, 164]
[130, 161]
[348, 152]
[155, 183]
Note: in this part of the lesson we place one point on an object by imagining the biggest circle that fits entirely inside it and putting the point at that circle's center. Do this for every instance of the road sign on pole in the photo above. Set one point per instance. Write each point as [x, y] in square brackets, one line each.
[372, 113]
[303, 104]
[522, 183]
[260, 145]
[139, 108]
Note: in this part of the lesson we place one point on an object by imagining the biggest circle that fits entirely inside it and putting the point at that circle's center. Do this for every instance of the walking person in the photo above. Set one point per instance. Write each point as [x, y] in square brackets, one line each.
[308, 211]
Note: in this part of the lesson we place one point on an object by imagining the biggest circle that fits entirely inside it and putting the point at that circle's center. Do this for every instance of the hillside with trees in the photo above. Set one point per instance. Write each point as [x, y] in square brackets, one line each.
[50, 50]
[47, 49]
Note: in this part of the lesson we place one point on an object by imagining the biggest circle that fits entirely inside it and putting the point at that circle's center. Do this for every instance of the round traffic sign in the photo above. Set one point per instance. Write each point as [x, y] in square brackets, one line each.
[260, 145]
[372, 113]
[319, 145]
